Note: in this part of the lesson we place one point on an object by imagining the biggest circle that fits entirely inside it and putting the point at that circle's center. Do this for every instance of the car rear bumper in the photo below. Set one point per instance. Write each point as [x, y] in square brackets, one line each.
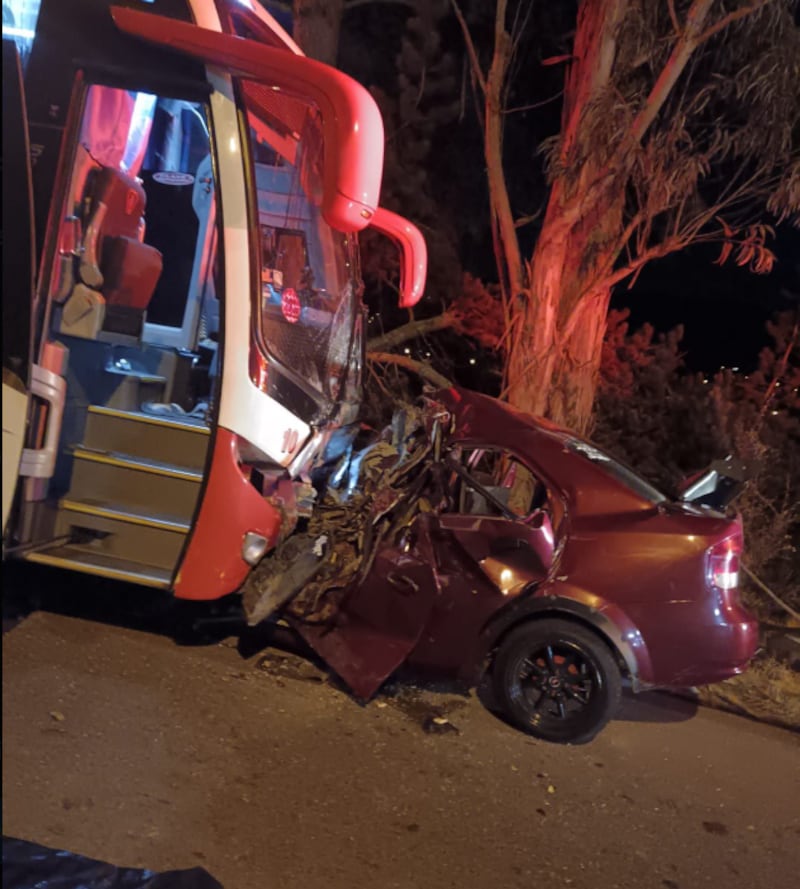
[699, 653]
[726, 652]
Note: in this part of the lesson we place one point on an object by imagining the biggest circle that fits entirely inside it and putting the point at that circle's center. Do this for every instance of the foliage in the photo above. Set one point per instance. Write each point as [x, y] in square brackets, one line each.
[668, 424]
[768, 691]
[760, 414]
[660, 421]
[723, 139]
[479, 311]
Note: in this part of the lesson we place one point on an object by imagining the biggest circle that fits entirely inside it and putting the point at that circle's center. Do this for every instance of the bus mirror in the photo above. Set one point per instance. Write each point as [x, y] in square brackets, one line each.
[413, 254]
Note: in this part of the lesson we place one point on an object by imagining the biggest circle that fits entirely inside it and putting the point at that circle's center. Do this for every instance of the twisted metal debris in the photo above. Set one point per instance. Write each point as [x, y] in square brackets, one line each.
[371, 495]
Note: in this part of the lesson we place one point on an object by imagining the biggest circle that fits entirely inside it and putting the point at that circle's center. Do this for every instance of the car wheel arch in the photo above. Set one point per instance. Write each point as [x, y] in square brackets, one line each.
[544, 607]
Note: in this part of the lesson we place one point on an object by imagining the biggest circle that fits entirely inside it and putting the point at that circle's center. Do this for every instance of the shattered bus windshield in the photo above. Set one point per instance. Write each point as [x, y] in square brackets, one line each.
[308, 271]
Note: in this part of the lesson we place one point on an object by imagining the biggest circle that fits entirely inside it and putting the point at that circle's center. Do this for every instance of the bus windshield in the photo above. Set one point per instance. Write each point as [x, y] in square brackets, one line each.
[309, 287]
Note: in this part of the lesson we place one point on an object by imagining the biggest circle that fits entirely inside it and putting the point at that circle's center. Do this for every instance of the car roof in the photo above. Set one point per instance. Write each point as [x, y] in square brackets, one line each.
[475, 413]
[548, 448]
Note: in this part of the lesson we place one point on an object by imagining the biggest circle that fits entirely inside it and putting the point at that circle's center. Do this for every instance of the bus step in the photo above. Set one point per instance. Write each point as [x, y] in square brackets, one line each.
[135, 485]
[179, 441]
[77, 558]
[121, 533]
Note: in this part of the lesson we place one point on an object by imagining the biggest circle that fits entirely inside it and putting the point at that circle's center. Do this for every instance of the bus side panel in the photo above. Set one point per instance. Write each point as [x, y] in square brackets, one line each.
[213, 563]
[18, 266]
[15, 412]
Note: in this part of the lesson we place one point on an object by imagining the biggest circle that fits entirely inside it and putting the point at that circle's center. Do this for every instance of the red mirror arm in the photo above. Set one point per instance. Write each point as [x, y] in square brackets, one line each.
[413, 254]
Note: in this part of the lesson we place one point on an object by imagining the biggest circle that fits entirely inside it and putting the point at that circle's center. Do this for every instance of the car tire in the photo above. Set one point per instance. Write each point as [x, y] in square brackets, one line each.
[557, 680]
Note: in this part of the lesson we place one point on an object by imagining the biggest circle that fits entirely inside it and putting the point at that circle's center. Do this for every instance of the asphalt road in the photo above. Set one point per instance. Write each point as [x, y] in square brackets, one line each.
[121, 745]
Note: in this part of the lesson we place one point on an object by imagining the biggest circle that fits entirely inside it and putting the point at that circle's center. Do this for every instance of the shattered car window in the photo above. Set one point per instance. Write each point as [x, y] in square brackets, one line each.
[616, 469]
[508, 483]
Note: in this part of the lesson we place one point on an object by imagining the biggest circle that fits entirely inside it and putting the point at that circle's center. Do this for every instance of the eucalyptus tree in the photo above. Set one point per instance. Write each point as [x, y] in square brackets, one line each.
[680, 124]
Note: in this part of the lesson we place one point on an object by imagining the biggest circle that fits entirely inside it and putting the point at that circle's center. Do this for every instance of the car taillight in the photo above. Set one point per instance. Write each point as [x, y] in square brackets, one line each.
[722, 571]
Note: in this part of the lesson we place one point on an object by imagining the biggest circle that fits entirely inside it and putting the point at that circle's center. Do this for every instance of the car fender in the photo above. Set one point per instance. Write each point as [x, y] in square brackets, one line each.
[558, 598]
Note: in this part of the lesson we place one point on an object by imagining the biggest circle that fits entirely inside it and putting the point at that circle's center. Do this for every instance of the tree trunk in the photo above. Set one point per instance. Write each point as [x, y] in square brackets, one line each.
[316, 28]
[559, 322]
[556, 375]
[558, 319]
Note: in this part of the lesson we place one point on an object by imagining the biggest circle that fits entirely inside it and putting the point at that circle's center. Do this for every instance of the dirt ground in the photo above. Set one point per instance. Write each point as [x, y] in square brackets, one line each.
[124, 746]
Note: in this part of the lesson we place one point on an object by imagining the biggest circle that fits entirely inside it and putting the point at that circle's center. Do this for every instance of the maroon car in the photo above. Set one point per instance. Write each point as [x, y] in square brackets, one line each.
[553, 564]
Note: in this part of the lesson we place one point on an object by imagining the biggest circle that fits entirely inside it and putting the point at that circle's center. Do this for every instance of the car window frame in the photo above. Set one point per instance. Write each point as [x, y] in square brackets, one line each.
[465, 474]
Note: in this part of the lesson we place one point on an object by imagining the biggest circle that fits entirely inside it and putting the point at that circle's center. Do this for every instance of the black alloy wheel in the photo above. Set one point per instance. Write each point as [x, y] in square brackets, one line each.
[557, 680]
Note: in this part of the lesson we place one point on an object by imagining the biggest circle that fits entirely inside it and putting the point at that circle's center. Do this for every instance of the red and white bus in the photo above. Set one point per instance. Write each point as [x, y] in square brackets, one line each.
[183, 331]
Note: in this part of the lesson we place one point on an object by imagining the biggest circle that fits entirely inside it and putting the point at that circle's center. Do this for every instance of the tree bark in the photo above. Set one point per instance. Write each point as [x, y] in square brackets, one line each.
[558, 321]
[559, 324]
[316, 28]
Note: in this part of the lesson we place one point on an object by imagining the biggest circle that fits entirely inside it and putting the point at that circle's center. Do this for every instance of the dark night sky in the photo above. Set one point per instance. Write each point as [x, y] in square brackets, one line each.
[724, 309]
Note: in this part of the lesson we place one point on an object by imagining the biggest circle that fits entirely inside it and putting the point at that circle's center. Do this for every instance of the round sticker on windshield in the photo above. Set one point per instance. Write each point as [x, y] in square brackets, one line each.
[290, 305]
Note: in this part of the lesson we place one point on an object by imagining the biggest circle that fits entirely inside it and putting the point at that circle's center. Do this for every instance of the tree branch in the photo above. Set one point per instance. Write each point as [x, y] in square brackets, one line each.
[504, 236]
[522, 221]
[678, 241]
[420, 368]
[655, 252]
[628, 231]
[500, 21]
[558, 95]
[730, 18]
[674, 17]
[780, 369]
[411, 330]
[473, 55]
[680, 55]
[690, 38]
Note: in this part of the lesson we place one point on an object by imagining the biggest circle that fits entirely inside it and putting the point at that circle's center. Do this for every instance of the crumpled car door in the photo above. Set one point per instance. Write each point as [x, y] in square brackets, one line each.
[382, 618]
[512, 554]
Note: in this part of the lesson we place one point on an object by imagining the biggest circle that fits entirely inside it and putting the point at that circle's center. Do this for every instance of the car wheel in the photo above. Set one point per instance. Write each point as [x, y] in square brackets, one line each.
[557, 680]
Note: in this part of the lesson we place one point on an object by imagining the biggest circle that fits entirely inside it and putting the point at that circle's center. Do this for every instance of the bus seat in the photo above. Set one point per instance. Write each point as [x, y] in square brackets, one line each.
[115, 260]
[131, 271]
[83, 313]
